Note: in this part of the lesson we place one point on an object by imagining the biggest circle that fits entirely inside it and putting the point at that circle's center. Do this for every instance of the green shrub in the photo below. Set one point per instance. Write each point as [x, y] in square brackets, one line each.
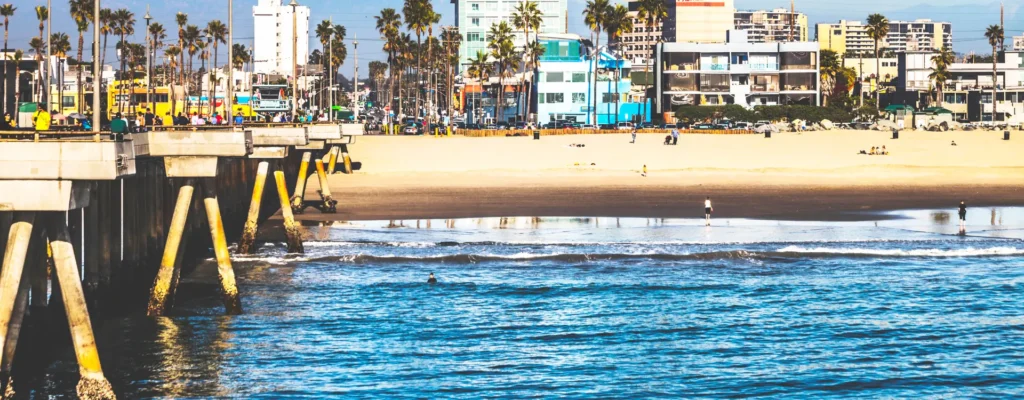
[811, 114]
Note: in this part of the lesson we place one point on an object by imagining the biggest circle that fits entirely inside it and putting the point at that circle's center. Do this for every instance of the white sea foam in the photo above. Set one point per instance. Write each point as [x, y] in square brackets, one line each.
[964, 252]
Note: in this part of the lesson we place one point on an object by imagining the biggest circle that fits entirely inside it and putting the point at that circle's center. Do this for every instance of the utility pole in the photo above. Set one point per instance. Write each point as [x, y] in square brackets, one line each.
[97, 79]
[229, 98]
[792, 18]
[295, 60]
[355, 81]
[149, 62]
[860, 78]
[330, 76]
[49, 15]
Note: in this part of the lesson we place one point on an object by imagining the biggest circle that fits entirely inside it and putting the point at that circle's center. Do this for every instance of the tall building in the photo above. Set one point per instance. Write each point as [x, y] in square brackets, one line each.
[701, 21]
[852, 37]
[1018, 43]
[968, 92]
[772, 26]
[637, 46]
[272, 39]
[475, 17]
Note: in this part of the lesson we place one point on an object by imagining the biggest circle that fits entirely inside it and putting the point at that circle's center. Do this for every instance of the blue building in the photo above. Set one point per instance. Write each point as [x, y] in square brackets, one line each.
[565, 84]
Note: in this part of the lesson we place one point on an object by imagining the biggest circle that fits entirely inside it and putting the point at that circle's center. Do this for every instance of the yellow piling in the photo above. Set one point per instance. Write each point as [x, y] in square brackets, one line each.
[329, 204]
[160, 293]
[232, 304]
[300, 185]
[332, 160]
[245, 246]
[291, 229]
[347, 165]
[92, 385]
[13, 269]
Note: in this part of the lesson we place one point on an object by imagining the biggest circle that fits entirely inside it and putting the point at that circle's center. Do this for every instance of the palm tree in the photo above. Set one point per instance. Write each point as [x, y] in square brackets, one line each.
[502, 51]
[240, 55]
[157, 34]
[81, 13]
[527, 16]
[7, 11]
[42, 14]
[406, 49]
[106, 28]
[38, 45]
[618, 21]
[192, 40]
[324, 31]
[219, 32]
[419, 14]
[18, 55]
[388, 24]
[377, 71]
[431, 19]
[652, 12]
[877, 30]
[60, 45]
[181, 19]
[479, 67]
[995, 36]
[171, 54]
[940, 70]
[123, 22]
[594, 15]
[338, 52]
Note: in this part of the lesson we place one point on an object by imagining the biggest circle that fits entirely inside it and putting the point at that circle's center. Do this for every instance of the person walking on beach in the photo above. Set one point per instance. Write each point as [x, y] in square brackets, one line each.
[644, 174]
[634, 135]
[707, 211]
[963, 216]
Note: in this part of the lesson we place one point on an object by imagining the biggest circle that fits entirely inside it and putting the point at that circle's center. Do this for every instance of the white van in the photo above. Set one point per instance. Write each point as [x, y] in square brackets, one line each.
[624, 126]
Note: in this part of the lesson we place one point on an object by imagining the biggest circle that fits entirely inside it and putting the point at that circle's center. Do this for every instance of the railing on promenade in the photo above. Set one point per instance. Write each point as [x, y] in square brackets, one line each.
[551, 132]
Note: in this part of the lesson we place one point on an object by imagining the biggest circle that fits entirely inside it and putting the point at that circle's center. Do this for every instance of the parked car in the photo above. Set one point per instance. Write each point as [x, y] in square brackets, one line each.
[413, 129]
[606, 126]
[625, 126]
[701, 127]
[647, 125]
[746, 126]
[502, 125]
[587, 126]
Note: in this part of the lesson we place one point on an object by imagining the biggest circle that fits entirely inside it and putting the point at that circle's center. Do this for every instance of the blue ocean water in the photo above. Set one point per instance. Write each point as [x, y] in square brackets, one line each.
[903, 307]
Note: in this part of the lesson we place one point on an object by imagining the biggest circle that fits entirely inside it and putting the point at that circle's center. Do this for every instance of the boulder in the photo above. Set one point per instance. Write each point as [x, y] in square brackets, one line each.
[826, 124]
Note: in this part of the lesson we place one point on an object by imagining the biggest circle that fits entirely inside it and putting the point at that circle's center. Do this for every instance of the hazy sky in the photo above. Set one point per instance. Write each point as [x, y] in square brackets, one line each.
[969, 18]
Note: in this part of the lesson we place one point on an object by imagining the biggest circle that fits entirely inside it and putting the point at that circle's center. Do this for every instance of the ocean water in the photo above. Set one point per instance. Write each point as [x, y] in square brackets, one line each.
[903, 307]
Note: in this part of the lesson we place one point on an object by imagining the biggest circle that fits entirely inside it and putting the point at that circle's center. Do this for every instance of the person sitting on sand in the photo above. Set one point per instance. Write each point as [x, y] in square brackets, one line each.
[872, 151]
[884, 152]
[644, 174]
[431, 279]
[953, 143]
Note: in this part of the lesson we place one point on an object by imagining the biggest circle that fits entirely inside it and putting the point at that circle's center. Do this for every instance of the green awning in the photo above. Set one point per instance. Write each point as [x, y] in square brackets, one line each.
[898, 107]
[936, 110]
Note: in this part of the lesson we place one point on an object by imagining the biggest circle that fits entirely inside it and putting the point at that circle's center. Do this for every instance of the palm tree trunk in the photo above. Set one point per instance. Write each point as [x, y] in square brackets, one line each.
[103, 55]
[419, 58]
[213, 85]
[597, 53]
[80, 94]
[878, 78]
[647, 65]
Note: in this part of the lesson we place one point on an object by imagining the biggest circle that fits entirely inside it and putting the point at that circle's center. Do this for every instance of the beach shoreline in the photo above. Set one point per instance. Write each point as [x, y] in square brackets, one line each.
[810, 176]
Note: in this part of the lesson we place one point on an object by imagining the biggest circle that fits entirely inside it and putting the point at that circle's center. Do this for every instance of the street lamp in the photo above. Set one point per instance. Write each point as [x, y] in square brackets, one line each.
[97, 78]
[209, 76]
[149, 62]
[295, 60]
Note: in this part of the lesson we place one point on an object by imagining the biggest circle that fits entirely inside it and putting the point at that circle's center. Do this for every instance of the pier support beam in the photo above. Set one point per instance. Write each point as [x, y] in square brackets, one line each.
[163, 285]
[298, 199]
[245, 245]
[225, 272]
[11, 276]
[347, 162]
[332, 160]
[328, 204]
[291, 229]
[13, 332]
[92, 384]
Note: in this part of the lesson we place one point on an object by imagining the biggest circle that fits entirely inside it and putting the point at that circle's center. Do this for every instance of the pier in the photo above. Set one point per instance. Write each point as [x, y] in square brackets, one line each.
[92, 225]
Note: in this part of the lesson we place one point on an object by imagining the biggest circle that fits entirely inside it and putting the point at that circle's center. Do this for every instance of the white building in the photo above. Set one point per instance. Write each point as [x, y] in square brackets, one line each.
[737, 72]
[1018, 43]
[637, 46]
[777, 25]
[968, 92]
[475, 17]
[272, 45]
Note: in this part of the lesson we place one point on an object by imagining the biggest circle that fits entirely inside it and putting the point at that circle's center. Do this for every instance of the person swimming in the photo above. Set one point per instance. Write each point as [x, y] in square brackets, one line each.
[431, 279]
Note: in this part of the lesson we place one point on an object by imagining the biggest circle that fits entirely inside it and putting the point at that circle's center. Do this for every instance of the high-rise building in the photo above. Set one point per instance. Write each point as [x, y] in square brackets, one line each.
[772, 26]
[852, 37]
[637, 46]
[701, 21]
[272, 39]
[475, 17]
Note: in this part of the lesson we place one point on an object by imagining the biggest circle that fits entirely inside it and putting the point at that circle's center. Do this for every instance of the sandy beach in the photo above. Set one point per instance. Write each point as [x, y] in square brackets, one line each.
[809, 176]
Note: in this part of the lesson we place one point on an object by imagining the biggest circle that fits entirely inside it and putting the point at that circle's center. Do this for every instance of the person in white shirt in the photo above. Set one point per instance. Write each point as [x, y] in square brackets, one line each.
[195, 119]
[707, 211]
[277, 118]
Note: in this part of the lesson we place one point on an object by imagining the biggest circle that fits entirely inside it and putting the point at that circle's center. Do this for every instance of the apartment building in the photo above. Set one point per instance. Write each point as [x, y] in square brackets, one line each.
[848, 37]
[272, 31]
[737, 72]
[968, 92]
[475, 17]
[637, 46]
[772, 26]
[700, 21]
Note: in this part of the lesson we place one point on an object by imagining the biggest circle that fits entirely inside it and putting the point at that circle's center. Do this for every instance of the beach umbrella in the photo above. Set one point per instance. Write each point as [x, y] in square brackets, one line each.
[77, 116]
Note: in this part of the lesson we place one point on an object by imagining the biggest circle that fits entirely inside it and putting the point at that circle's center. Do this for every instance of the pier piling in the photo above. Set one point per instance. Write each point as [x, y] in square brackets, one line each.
[347, 162]
[332, 160]
[92, 384]
[298, 198]
[225, 272]
[328, 204]
[163, 285]
[18, 239]
[13, 332]
[291, 229]
[245, 245]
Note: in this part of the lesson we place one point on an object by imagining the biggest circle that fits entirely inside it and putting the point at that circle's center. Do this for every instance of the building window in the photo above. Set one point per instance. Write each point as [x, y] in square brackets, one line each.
[608, 97]
[555, 98]
[475, 6]
[540, 98]
[69, 101]
[475, 21]
[579, 77]
[555, 77]
[474, 37]
[579, 98]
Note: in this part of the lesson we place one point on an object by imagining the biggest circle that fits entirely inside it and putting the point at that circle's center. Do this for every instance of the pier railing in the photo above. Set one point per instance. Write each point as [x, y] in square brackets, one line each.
[551, 132]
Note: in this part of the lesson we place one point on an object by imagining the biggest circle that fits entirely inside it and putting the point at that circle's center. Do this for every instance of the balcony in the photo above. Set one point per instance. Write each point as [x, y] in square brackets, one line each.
[764, 66]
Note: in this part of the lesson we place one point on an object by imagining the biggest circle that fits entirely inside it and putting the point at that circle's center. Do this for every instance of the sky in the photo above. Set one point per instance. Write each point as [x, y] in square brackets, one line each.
[969, 18]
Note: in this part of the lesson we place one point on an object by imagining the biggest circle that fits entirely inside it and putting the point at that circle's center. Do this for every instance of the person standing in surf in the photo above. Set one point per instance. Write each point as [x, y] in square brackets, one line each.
[707, 211]
[963, 216]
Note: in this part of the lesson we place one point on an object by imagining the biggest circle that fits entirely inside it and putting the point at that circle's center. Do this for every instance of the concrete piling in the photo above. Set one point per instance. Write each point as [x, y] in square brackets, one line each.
[245, 245]
[333, 160]
[11, 342]
[291, 228]
[347, 162]
[15, 252]
[225, 272]
[163, 285]
[298, 198]
[92, 384]
[328, 204]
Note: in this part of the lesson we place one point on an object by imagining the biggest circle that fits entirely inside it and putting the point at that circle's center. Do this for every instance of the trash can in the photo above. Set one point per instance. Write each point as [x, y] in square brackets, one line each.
[536, 135]
[1006, 135]
[895, 133]
[767, 134]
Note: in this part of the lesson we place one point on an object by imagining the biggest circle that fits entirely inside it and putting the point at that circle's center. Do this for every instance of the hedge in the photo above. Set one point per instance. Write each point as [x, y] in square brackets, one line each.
[811, 114]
